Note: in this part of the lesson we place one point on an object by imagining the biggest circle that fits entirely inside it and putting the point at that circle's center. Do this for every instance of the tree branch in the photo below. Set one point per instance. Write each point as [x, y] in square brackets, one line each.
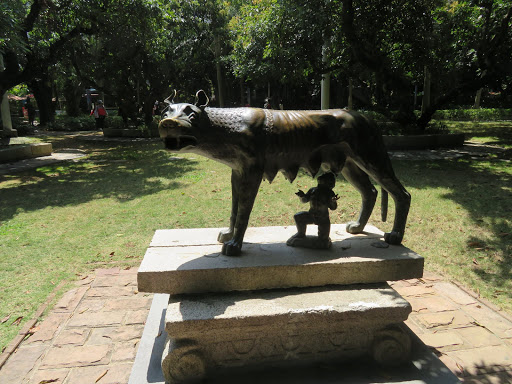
[35, 10]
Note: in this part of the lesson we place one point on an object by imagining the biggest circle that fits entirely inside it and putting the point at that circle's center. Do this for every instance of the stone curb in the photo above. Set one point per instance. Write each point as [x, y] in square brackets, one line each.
[28, 151]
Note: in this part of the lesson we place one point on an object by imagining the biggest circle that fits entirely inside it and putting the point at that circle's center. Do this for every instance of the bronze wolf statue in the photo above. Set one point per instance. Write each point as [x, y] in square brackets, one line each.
[257, 143]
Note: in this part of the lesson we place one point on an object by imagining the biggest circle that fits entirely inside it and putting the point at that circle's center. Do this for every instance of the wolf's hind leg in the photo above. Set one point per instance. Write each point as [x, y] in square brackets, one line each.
[360, 180]
[402, 200]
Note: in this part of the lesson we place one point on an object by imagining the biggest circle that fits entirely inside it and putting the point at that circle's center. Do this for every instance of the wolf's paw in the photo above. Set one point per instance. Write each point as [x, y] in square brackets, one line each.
[393, 237]
[225, 235]
[354, 227]
[232, 248]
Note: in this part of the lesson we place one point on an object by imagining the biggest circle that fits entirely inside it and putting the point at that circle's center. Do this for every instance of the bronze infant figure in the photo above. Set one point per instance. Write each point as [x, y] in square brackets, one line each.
[321, 199]
[257, 143]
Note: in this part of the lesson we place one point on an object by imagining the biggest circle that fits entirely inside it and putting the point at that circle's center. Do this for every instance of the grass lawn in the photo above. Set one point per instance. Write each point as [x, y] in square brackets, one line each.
[60, 222]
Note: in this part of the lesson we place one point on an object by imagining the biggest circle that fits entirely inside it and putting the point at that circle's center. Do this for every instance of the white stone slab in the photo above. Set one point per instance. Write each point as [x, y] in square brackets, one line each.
[285, 310]
[178, 262]
[208, 236]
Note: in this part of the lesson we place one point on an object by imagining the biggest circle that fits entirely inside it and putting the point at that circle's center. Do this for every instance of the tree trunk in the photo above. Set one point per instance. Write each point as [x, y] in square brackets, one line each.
[426, 91]
[325, 84]
[5, 111]
[350, 96]
[148, 111]
[478, 99]
[242, 93]
[220, 83]
[73, 95]
[43, 94]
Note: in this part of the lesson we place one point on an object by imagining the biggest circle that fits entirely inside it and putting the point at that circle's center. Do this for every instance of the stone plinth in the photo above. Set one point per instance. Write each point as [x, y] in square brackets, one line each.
[190, 261]
[277, 305]
[208, 333]
[19, 152]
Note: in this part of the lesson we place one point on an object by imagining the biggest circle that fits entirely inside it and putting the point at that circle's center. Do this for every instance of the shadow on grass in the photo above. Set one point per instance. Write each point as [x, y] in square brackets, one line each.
[499, 131]
[484, 191]
[122, 171]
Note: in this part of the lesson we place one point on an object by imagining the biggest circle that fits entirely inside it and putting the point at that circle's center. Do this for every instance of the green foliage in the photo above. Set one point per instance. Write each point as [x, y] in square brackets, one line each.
[139, 51]
[269, 36]
[11, 12]
[68, 123]
[482, 114]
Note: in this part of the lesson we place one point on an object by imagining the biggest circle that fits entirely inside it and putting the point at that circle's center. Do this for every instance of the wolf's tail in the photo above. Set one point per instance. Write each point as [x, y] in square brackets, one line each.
[384, 204]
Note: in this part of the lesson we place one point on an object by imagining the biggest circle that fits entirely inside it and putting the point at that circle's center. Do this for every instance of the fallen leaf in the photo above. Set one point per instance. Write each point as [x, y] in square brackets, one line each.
[5, 319]
[436, 351]
[85, 277]
[103, 374]
[475, 262]
[475, 244]
[17, 321]
[461, 368]
[48, 381]
[503, 234]
[33, 330]
[112, 253]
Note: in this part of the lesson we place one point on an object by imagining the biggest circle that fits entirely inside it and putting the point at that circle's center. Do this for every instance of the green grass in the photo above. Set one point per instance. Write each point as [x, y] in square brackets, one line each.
[488, 132]
[62, 221]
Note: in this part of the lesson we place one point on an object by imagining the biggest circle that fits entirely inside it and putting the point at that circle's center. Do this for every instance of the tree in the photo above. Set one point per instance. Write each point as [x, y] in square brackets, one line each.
[42, 31]
[466, 45]
[384, 46]
[281, 42]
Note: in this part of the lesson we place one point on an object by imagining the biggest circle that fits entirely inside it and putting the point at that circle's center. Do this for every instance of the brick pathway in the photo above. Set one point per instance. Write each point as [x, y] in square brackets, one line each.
[471, 336]
[92, 334]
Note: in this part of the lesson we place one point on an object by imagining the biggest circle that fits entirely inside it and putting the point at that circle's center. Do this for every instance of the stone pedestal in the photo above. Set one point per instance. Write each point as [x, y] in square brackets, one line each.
[277, 305]
[208, 333]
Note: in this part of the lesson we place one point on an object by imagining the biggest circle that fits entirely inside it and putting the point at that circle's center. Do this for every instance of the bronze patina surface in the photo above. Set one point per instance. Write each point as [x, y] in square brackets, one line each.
[257, 143]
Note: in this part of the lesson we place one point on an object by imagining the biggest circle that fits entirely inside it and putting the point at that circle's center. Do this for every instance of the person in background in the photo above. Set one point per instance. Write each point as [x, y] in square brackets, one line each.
[31, 111]
[100, 114]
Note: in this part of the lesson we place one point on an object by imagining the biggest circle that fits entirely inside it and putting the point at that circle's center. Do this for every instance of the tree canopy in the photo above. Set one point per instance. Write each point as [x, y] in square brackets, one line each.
[139, 50]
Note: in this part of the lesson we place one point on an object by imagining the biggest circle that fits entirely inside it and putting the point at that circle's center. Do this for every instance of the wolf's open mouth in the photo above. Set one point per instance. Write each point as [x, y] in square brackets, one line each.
[180, 142]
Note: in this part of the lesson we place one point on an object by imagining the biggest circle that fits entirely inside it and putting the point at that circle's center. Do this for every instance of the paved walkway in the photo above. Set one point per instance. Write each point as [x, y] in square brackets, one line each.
[55, 157]
[92, 333]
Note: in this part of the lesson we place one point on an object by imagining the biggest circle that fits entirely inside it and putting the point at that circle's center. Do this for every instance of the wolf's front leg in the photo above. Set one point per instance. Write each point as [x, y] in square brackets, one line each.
[247, 185]
[227, 234]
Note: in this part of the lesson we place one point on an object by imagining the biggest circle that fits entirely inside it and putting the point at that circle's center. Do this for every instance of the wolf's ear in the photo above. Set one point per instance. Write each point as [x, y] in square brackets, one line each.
[201, 99]
[170, 99]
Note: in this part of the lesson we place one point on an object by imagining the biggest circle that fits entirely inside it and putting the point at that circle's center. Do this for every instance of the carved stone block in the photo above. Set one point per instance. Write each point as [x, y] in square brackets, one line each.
[217, 331]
